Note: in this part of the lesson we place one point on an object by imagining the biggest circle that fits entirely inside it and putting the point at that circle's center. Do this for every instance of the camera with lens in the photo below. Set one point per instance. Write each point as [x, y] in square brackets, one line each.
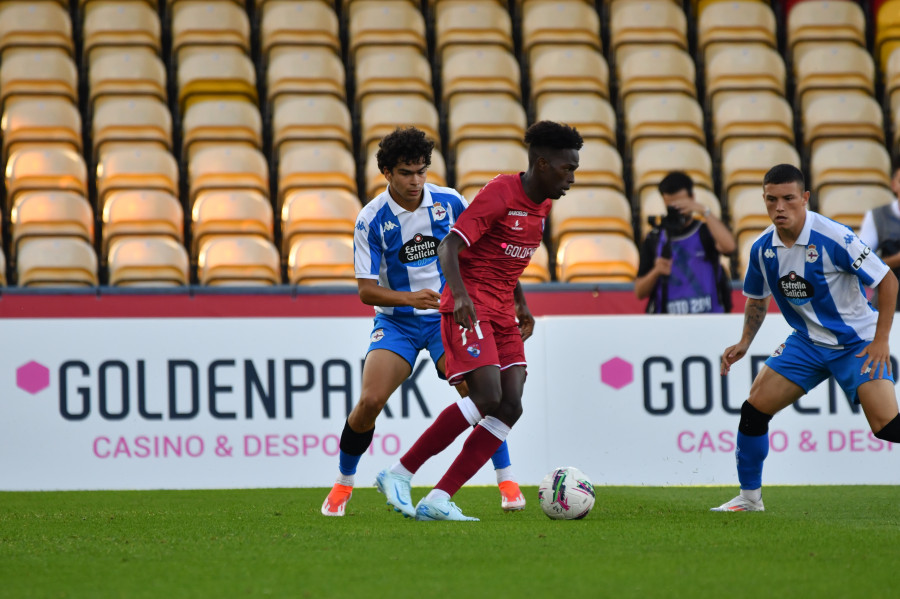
[673, 221]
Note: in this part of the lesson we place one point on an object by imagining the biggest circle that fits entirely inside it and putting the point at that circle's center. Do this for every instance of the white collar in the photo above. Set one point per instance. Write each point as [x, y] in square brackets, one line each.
[397, 209]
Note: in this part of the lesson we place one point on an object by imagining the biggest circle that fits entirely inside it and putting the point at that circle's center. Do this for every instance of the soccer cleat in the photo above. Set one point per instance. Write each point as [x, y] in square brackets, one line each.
[336, 501]
[396, 488]
[440, 509]
[511, 498]
[740, 504]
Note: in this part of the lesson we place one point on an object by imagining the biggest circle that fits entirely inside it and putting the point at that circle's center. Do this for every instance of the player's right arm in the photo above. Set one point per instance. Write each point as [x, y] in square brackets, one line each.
[448, 254]
[754, 315]
[373, 294]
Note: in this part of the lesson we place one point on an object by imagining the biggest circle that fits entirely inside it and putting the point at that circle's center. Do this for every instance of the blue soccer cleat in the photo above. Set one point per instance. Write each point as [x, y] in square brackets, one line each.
[440, 509]
[396, 488]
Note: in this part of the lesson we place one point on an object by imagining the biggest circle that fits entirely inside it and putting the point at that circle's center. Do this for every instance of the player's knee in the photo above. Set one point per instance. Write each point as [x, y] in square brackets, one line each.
[371, 404]
[753, 422]
[890, 431]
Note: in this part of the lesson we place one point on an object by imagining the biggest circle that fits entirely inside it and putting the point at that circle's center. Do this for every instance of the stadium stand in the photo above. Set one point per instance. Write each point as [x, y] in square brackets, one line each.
[316, 260]
[148, 261]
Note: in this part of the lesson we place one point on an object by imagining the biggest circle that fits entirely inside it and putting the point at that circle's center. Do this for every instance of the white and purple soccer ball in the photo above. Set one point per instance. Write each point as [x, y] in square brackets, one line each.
[566, 494]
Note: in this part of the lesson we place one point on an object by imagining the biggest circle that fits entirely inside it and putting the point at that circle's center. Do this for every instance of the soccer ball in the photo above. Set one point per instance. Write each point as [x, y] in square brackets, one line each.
[566, 494]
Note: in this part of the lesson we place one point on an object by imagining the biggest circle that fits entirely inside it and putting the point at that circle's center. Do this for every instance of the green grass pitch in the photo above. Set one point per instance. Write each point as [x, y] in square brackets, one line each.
[832, 541]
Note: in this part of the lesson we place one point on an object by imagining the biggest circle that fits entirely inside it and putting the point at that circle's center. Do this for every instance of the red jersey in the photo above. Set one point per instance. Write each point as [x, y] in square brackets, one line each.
[502, 228]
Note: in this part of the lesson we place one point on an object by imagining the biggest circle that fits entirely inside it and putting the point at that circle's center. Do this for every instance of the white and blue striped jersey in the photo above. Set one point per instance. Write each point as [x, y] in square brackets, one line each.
[399, 248]
[818, 282]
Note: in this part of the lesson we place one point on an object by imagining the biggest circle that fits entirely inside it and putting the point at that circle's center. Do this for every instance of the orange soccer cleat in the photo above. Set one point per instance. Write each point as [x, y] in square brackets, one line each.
[511, 498]
[337, 500]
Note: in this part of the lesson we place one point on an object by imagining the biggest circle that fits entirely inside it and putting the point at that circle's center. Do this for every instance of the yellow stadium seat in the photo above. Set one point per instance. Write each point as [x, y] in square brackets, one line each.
[472, 22]
[132, 72]
[653, 161]
[887, 30]
[210, 123]
[290, 26]
[56, 262]
[147, 168]
[816, 21]
[216, 74]
[745, 244]
[50, 214]
[559, 22]
[538, 269]
[382, 113]
[746, 163]
[49, 72]
[147, 261]
[310, 118]
[752, 116]
[830, 67]
[121, 122]
[568, 69]
[593, 116]
[199, 26]
[842, 115]
[741, 22]
[892, 82]
[111, 26]
[392, 70]
[316, 212]
[316, 260]
[739, 69]
[26, 26]
[599, 164]
[748, 212]
[479, 162]
[40, 121]
[655, 117]
[591, 210]
[375, 181]
[312, 70]
[656, 70]
[848, 204]
[634, 25]
[316, 165]
[242, 260]
[485, 117]
[136, 212]
[227, 167]
[480, 69]
[597, 258]
[238, 212]
[51, 169]
[385, 23]
[849, 162]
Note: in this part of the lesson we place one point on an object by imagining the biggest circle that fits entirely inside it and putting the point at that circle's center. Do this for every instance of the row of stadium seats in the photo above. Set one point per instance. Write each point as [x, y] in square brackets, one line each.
[324, 105]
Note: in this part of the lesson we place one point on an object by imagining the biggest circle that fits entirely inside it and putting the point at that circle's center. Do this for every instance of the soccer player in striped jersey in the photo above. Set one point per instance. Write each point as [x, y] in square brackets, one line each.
[397, 271]
[816, 269]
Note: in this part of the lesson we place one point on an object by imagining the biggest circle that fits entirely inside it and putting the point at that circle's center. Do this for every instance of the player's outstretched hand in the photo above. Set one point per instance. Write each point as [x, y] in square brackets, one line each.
[731, 355]
[878, 359]
[526, 321]
[425, 299]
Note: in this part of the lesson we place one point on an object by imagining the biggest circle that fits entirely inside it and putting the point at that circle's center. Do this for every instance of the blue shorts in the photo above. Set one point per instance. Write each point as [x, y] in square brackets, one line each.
[806, 364]
[406, 336]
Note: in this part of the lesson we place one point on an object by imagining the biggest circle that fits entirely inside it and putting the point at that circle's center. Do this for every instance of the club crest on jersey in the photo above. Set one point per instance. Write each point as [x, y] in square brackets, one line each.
[778, 351]
[474, 350]
[769, 253]
[811, 253]
[377, 335]
[438, 211]
[796, 289]
[421, 250]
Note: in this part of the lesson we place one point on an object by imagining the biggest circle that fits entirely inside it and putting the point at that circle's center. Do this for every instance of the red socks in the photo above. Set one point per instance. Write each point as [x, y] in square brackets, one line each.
[476, 451]
[443, 431]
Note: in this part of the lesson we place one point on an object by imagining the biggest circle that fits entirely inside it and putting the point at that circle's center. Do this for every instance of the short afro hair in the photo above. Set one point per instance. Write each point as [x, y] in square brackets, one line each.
[553, 136]
[784, 173]
[403, 144]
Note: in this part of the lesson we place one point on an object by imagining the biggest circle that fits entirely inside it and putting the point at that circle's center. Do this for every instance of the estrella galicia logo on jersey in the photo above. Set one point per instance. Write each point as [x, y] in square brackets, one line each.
[474, 350]
[769, 253]
[861, 258]
[360, 225]
[796, 289]
[778, 351]
[811, 253]
[421, 250]
[438, 211]
[377, 335]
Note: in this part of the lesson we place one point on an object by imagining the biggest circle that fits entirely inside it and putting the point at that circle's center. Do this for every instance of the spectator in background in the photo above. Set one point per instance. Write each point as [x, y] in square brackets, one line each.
[880, 229]
[680, 269]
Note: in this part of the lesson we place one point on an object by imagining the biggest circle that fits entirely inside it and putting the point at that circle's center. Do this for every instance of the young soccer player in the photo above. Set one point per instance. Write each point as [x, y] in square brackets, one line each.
[485, 318]
[396, 239]
[816, 269]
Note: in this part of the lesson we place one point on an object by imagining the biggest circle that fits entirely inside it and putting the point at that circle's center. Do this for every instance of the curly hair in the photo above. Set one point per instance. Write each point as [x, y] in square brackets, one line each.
[403, 144]
[784, 173]
[554, 136]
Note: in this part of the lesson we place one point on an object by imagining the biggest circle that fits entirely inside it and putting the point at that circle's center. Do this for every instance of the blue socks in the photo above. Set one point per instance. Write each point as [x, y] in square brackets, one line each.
[500, 458]
[750, 454]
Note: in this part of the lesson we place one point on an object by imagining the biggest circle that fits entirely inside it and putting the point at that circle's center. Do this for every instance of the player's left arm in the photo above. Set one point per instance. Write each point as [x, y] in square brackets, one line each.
[523, 314]
[878, 353]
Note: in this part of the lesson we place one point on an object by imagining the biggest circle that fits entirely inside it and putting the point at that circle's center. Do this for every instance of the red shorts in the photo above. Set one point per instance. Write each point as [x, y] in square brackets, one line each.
[465, 350]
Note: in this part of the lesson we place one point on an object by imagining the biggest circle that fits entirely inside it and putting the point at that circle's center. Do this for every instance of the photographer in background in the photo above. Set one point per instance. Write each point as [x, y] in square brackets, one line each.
[880, 229]
[680, 270]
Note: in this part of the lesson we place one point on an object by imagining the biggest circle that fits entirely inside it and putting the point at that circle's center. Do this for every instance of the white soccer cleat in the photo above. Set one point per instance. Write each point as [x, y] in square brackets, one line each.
[440, 509]
[396, 488]
[740, 504]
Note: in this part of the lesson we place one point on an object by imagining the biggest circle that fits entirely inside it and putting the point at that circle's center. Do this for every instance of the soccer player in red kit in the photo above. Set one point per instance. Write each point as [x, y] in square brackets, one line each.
[484, 317]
